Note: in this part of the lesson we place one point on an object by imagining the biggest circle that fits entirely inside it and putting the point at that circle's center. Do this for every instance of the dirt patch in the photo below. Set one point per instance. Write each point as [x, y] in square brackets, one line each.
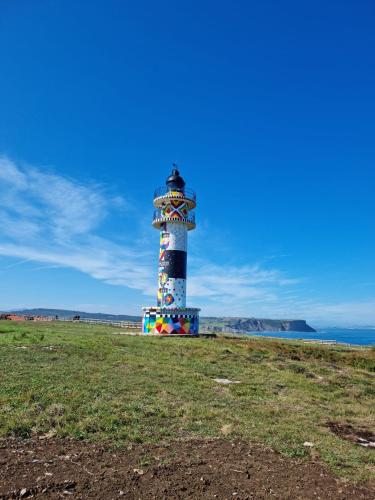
[363, 437]
[53, 468]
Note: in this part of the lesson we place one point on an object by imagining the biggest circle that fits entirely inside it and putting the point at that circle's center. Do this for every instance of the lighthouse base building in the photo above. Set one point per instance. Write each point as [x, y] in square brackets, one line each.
[173, 217]
[159, 321]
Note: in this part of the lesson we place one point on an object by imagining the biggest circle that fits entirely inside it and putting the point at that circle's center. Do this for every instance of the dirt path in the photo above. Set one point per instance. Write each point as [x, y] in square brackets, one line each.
[52, 468]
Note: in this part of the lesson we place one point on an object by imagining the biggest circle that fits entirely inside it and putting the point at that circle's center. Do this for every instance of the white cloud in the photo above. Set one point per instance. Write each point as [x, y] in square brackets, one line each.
[63, 207]
[50, 219]
[342, 313]
[235, 282]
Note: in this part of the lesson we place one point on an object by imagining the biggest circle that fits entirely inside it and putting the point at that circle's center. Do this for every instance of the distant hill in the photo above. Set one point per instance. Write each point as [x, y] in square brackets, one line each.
[239, 325]
[66, 313]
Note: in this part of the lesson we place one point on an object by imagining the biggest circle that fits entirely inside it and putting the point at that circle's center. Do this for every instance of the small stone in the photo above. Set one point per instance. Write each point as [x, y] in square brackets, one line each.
[226, 429]
[23, 492]
[308, 444]
[367, 444]
[140, 472]
[226, 381]
[121, 493]
[50, 434]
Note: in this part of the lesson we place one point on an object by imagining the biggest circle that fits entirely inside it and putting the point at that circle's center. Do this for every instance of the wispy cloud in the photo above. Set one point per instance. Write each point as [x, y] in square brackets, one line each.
[47, 218]
[17, 263]
[230, 283]
[36, 202]
[348, 312]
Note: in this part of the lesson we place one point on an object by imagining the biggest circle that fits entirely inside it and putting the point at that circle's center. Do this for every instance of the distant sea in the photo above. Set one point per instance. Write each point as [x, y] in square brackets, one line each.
[342, 335]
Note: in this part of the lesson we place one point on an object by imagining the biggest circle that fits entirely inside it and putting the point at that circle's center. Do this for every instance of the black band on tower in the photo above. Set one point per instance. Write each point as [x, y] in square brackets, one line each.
[174, 263]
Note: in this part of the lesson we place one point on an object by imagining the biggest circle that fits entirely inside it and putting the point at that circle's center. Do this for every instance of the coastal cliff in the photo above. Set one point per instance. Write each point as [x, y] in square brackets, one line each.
[257, 325]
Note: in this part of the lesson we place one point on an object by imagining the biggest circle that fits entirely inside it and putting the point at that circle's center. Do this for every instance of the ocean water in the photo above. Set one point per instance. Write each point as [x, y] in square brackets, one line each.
[342, 335]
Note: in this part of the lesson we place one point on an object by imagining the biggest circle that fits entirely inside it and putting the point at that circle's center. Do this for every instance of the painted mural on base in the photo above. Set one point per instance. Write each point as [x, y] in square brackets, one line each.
[170, 324]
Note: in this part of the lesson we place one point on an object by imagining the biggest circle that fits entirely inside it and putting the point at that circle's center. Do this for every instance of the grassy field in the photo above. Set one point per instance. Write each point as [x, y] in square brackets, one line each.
[86, 382]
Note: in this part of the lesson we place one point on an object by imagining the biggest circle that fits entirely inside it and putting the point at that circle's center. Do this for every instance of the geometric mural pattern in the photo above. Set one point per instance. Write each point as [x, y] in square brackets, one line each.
[175, 209]
[171, 292]
[177, 288]
[171, 325]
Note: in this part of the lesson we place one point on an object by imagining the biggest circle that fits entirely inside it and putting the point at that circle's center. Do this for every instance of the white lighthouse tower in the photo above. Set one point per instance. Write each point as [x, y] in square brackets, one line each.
[174, 218]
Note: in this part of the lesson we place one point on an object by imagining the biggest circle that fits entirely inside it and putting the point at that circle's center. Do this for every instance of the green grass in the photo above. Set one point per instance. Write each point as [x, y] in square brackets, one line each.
[82, 381]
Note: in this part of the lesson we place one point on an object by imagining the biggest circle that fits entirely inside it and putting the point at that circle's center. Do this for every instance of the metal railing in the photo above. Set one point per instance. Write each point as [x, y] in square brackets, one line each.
[158, 216]
[163, 190]
[120, 323]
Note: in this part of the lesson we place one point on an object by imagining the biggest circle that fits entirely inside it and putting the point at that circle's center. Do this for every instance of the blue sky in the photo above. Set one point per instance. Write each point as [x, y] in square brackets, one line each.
[268, 108]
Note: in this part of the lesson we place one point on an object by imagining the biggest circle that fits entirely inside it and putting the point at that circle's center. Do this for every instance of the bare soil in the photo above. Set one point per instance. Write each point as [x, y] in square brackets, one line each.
[350, 433]
[54, 468]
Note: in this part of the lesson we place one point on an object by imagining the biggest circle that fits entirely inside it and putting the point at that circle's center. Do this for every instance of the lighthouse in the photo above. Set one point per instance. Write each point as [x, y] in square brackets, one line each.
[174, 217]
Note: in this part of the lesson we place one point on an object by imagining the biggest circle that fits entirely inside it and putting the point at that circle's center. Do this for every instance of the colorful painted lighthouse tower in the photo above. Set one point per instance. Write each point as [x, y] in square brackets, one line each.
[174, 217]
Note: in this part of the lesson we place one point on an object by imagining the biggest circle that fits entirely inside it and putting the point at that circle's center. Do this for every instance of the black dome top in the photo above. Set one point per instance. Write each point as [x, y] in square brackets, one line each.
[175, 181]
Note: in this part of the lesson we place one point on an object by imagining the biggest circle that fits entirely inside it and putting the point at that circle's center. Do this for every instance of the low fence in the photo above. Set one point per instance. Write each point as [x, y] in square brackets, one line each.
[129, 325]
